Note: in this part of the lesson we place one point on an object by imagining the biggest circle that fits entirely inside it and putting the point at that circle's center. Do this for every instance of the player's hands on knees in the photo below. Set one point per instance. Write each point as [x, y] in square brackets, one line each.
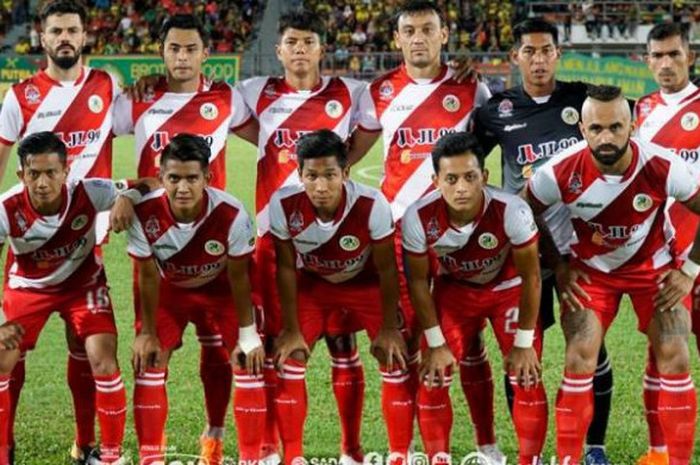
[252, 361]
[465, 67]
[121, 215]
[673, 286]
[525, 366]
[437, 364]
[389, 347]
[288, 342]
[10, 335]
[146, 353]
[143, 87]
[570, 292]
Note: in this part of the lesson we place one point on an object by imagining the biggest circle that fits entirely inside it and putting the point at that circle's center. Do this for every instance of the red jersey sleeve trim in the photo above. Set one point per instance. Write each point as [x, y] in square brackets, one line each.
[359, 126]
[528, 242]
[384, 238]
[140, 259]
[414, 254]
[245, 123]
[532, 196]
[692, 196]
[242, 256]
[6, 142]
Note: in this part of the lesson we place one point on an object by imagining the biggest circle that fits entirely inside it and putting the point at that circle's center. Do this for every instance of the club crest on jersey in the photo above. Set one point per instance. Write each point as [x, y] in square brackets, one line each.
[432, 231]
[451, 103]
[269, 90]
[21, 222]
[386, 90]
[152, 227]
[296, 222]
[488, 241]
[32, 94]
[95, 104]
[690, 121]
[334, 109]
[79, 222]
[505, 108]
[575, 183]
[214, 248]
[642, 202]
[644, 109]
[349, 243]
[569, 115]
[208, 111]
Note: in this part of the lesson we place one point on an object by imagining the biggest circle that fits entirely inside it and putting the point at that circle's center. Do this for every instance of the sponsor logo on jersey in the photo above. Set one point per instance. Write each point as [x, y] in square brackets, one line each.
[405, 156]
[334, 109]
[514, 127]
[410, 137]
[330, 264]
[432, 231]
[690, 121]
[642, 202]
[32, 94]
[505, 108]
[488, 241]
[451, 103]
[214, 248]
[349, 243]
[575, 183]
[284, 138]
[75, 139]
[208, 111]
[529, 153]
[48, 114]
[59, 253]
[152, 227]
[570, 115]
[95, 104]
[386, 90]
[79, 222]
[400, 108]
[296, 222]
[603, 233]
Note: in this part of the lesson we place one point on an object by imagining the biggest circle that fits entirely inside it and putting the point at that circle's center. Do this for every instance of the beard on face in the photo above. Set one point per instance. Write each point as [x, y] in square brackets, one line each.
[609, 154]
[64, 61]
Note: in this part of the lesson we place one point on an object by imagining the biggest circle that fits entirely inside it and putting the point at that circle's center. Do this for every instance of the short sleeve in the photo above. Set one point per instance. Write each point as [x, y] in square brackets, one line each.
[10, 119]
[278, 221]
[478, 125]
[381, 223]
[412, 232]
[366, 118]
[137, 244]
[102, 192]
[240, 111]
[520, 224]
[483, 94]
[123, 117]
[543, 187]
[4, 224]
[682, 183]
[241, 237]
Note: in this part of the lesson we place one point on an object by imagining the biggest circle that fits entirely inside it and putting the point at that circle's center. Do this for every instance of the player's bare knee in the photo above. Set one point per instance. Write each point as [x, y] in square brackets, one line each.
[102, 353]
[8, 360]
[583, 335]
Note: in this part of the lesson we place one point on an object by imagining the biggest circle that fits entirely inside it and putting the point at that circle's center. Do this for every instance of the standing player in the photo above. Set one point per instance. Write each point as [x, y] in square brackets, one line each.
[412, 106]
[532, 123]
[616, 191]
[50, 225]
[74, 102]
[669, 117]
[486, 243]
[342, 234]
[192, 244]
[183, 101]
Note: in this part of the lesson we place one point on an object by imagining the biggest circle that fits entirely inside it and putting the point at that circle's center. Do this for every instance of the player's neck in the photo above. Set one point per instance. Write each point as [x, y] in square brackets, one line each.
[540, 91]
[303, 81]
[326, 214]
[675, 89]
[183, 87]
[63, 75]
[428, 72]
[187, 215]
[49, 208]
[459, 219]
[620, 167]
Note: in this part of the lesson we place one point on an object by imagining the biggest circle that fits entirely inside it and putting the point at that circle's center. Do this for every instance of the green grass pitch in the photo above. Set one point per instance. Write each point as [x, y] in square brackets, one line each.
[44, 428]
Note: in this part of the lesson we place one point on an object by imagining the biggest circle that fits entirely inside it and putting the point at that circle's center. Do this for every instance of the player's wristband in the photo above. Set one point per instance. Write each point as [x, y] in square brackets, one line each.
[248, 338]
[524, 338]
[434, 337]
[132, 194]
[690, 269]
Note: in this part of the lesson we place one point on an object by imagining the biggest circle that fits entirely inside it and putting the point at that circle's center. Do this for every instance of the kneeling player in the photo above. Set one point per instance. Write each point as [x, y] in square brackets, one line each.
[342, 233]
[193, 244]
[486, 244]
[50, 225]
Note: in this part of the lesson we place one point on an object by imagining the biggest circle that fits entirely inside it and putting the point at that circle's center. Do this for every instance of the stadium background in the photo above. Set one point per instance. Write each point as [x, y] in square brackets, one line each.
[603, 42]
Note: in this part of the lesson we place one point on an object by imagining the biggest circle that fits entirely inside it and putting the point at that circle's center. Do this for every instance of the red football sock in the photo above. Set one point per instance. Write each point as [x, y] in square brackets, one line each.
[574, 412]
[16, 384]
[349, 390]
[530, 420]
[110, 403]
[5, 415]
[291, 408]
[652, 387]
[150, 414]
[249, 411]
[677, 412]
[271, 438]
[82, 389]
[434, 411]
[216, 374]
[477, 385]
[398, 406]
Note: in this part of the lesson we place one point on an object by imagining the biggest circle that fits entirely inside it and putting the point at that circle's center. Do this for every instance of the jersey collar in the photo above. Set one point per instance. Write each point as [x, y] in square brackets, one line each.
[44, 76]
[438, 78]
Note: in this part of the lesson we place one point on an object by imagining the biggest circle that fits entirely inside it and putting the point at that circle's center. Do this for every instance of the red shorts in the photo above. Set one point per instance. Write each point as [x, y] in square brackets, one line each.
[86, 311]
[214, 317]
[462, 310]
[606, 291]
[334, 309]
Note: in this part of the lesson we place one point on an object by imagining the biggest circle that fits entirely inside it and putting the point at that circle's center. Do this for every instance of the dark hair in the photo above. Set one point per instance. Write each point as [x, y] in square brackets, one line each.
[41, 143]
[63, 7]
[319, 144]
[412, 7]
[303, 20]
[604, 93]
[666, 31]
[457, 143]
[188, 22]
[534, 26]
[187, 147]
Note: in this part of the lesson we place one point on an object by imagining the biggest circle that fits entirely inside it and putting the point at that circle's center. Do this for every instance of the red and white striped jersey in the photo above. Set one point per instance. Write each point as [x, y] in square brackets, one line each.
[211, 112]
[338, 250]
[285, 114]
[193, 254]
[53, 253]
[618, 220]
[413, 115]
[478, 253]
[672, 121]
[79, 112]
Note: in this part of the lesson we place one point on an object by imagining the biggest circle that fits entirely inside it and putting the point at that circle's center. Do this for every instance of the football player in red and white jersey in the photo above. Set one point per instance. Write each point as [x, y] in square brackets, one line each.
[669, 117]
[342, 234]
[50, 224]
[76, 103]
[486, 243]
[412, 106]
[193, 243]
[616, 190]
